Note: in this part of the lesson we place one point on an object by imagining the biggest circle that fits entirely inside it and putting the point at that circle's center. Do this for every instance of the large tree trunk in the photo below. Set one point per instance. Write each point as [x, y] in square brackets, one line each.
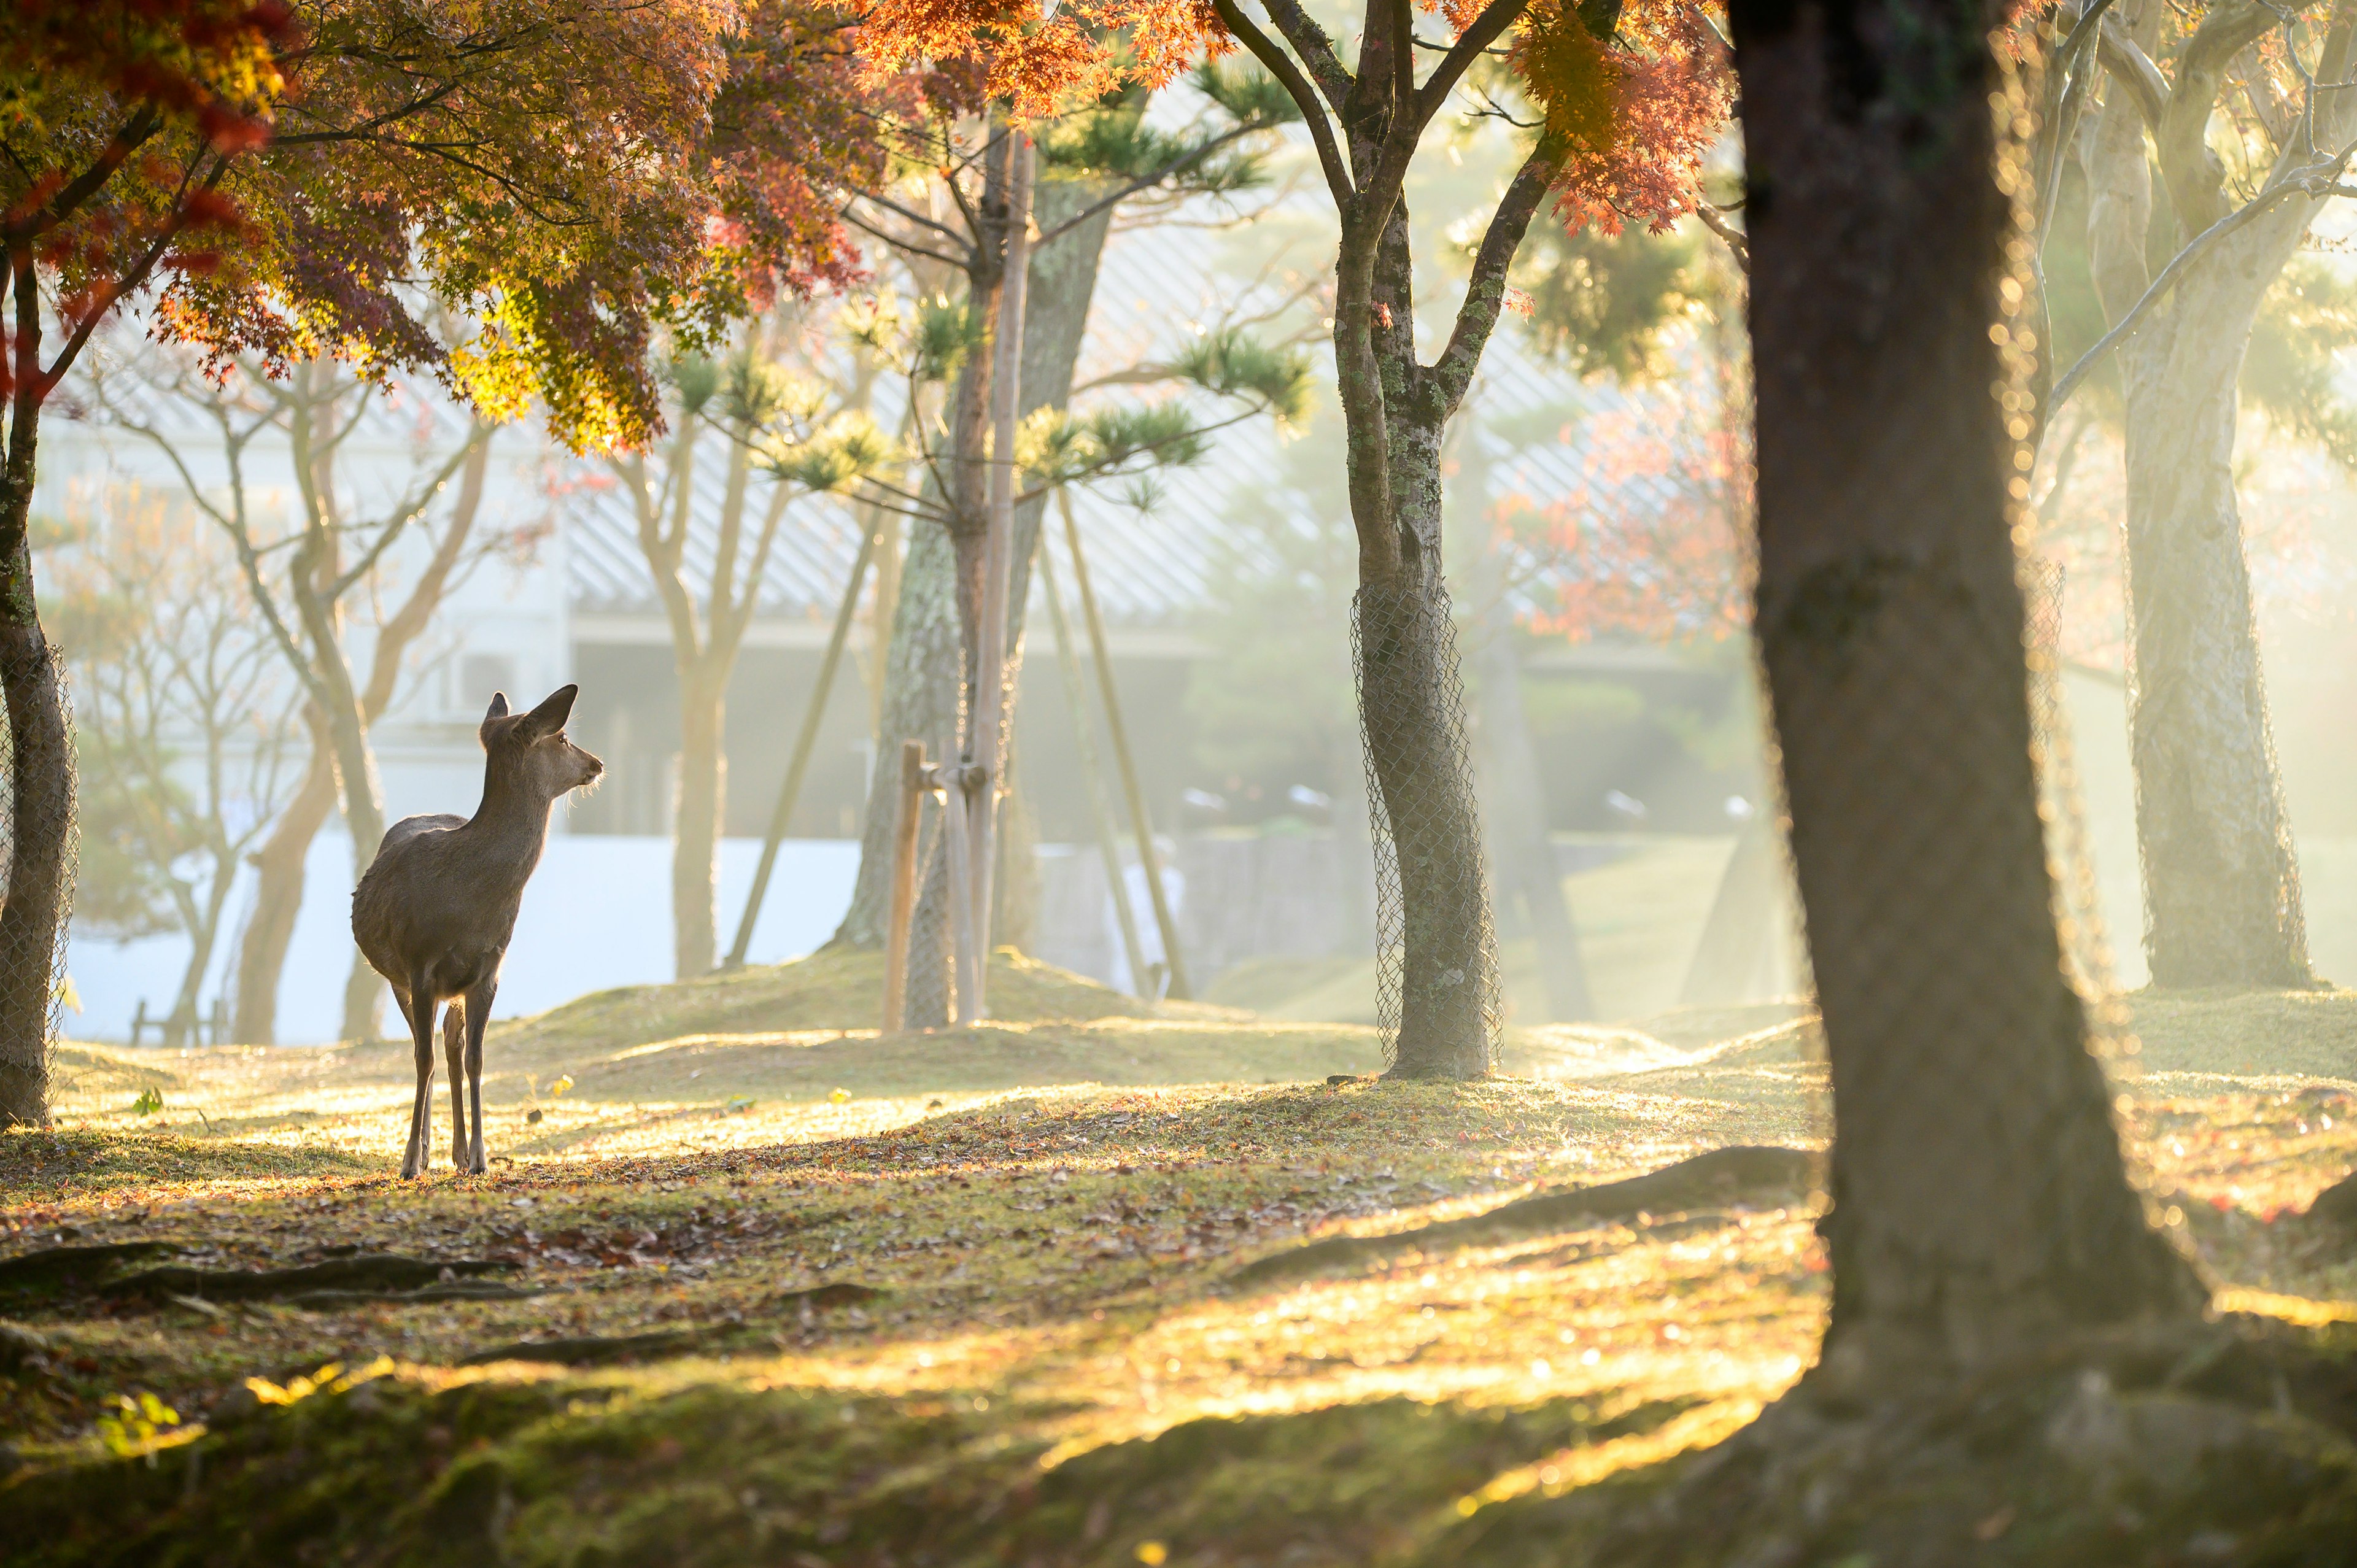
[923, 668]
[41, 818]
[1979, 1201]
[278, 891]
[2222, 880]
[696, 819]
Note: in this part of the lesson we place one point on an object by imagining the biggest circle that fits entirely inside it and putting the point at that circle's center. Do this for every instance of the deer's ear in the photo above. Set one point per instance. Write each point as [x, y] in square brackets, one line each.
[553, 710]
[498, 711]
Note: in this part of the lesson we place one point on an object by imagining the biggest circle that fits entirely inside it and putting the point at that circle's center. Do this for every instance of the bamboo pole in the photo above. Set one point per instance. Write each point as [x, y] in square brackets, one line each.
[804, 743]
[1076, 699]
[989, 753]
[1118, 733]
[904, 885]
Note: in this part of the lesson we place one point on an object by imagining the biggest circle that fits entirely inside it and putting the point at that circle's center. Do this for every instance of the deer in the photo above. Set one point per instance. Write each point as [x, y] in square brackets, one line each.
[434, 910]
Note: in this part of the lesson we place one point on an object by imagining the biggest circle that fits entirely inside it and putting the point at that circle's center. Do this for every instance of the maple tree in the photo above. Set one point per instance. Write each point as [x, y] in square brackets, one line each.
[1622, 101]
[291, 182]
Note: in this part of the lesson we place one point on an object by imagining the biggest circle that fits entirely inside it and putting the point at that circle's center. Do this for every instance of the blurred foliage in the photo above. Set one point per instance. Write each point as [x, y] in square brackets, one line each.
[1610, 305]
[1273, 699]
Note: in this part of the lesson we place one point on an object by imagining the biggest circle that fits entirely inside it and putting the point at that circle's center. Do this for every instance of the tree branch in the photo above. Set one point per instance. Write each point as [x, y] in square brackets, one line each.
[1313, 111]
[1471, 46]
[1485, 290]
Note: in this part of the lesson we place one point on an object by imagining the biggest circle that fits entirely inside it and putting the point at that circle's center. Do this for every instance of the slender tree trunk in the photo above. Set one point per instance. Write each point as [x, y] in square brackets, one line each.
[1412, 710]
[1510, 776]
[278, 890]
[40, 811]
[280, 862]
[695, 823]
[356, 774]
[1411, 701]
[1979, 1201]
[1736, 933]
[2222, 880]
[923, 694]
[203, 932]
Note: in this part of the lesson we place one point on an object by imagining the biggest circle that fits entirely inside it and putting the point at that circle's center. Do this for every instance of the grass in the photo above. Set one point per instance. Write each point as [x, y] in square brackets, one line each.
[1059, 1368]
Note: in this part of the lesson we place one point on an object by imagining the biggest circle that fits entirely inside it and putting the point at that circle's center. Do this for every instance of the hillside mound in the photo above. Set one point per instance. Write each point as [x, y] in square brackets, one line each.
[836, 988]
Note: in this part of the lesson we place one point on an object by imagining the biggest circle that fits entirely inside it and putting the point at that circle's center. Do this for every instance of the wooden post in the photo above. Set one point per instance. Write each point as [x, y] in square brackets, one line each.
[904, 885]
[1076, 701]
[1119, 734]
[804, 743]
[957, 787]
[989, 722]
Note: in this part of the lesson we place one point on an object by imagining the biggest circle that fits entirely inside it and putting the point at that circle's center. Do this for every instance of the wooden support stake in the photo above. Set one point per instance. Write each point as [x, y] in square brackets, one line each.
[1119, 734]
[1076, 701]
[964, 939]
[804, 743]
[904, 885]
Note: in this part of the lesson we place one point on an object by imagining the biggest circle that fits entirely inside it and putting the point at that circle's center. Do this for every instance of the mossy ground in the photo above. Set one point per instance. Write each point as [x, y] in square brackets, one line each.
[1059, 1370]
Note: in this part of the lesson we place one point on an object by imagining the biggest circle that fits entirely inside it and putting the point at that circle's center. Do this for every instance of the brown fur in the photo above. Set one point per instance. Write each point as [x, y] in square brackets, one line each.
[435, 911]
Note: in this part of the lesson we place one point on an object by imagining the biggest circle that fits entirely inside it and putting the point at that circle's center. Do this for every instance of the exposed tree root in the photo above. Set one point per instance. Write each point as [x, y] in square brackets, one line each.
[589, 1350]
[48, 1267]
[2224, 1443]
[373, 1272]
[1743, 1173]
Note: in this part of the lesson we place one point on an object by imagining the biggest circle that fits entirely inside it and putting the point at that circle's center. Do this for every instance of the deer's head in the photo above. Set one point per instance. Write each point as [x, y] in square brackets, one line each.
[531, 750]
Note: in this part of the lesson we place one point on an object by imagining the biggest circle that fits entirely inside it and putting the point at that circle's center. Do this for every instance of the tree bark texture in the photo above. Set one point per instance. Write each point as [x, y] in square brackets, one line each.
[924, 668]
[1437, 963]
[2222, 904]
[40, 817]
[1979, 1200]
[696, 818]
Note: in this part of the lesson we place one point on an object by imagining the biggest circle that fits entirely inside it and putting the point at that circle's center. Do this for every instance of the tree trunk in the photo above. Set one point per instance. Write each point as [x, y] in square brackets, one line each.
[1979, 1201]
[278, 891]
[40, 819]
[204, 931]
[1735, 935]
[1510, 776]
[1517, 813]
[922, 693]
[922, 680]
[2222, 880]
[1411, 703]
[363, 804]
[695, 821]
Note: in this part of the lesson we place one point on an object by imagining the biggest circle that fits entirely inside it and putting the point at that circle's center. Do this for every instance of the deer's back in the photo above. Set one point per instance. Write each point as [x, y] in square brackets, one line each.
[433, 902]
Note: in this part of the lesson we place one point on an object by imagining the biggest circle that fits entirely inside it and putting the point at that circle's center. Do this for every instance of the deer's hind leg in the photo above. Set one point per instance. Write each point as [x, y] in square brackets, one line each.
[454, 1051]
[478, 1013]
[417, 1009]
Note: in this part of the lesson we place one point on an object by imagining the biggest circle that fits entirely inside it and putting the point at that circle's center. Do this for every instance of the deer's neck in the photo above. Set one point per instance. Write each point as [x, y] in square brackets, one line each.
[511, 824]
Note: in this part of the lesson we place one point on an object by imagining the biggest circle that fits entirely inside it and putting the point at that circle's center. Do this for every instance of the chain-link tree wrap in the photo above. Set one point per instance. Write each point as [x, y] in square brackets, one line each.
[33, 926]
[930, 999]
[1979, 1203]
[1435, 947]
